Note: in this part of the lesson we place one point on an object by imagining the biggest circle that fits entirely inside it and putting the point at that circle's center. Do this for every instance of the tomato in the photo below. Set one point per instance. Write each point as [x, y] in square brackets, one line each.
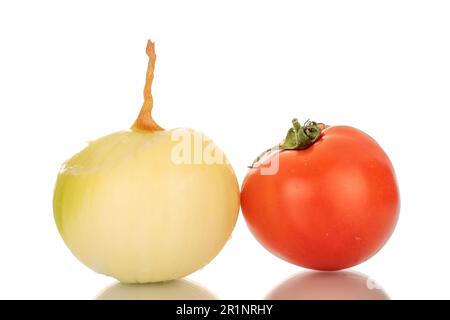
[329, 206]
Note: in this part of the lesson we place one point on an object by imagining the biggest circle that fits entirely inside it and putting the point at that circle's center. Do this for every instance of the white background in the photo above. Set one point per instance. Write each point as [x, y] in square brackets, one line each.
[71, 71]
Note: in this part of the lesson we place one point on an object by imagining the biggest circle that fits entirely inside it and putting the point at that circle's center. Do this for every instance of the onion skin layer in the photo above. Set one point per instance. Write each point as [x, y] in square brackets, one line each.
[126, 210]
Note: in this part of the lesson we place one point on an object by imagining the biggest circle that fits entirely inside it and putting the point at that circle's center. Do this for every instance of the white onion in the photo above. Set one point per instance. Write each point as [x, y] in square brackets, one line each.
[147, 204]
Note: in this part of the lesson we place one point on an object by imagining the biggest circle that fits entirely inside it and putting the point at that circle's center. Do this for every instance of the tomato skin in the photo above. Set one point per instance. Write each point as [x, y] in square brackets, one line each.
[329, 207]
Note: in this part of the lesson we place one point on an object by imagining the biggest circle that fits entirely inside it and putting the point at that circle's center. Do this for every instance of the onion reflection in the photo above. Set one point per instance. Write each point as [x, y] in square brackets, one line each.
[170, 290]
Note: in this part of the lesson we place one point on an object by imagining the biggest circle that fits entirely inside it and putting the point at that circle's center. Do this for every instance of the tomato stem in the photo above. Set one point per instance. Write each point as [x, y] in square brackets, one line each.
[301, 137]
[145, 120]
[298, 137]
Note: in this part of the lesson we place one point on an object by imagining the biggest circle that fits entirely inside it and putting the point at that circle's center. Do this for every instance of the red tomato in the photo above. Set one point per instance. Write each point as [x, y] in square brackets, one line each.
[328, 207]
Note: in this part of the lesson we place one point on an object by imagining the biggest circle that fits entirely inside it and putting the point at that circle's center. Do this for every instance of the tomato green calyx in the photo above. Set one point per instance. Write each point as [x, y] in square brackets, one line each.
[299, 137]
[144, 121]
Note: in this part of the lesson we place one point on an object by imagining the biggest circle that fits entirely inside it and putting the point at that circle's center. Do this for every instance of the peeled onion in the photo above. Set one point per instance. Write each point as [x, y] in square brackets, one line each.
[147, 204]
